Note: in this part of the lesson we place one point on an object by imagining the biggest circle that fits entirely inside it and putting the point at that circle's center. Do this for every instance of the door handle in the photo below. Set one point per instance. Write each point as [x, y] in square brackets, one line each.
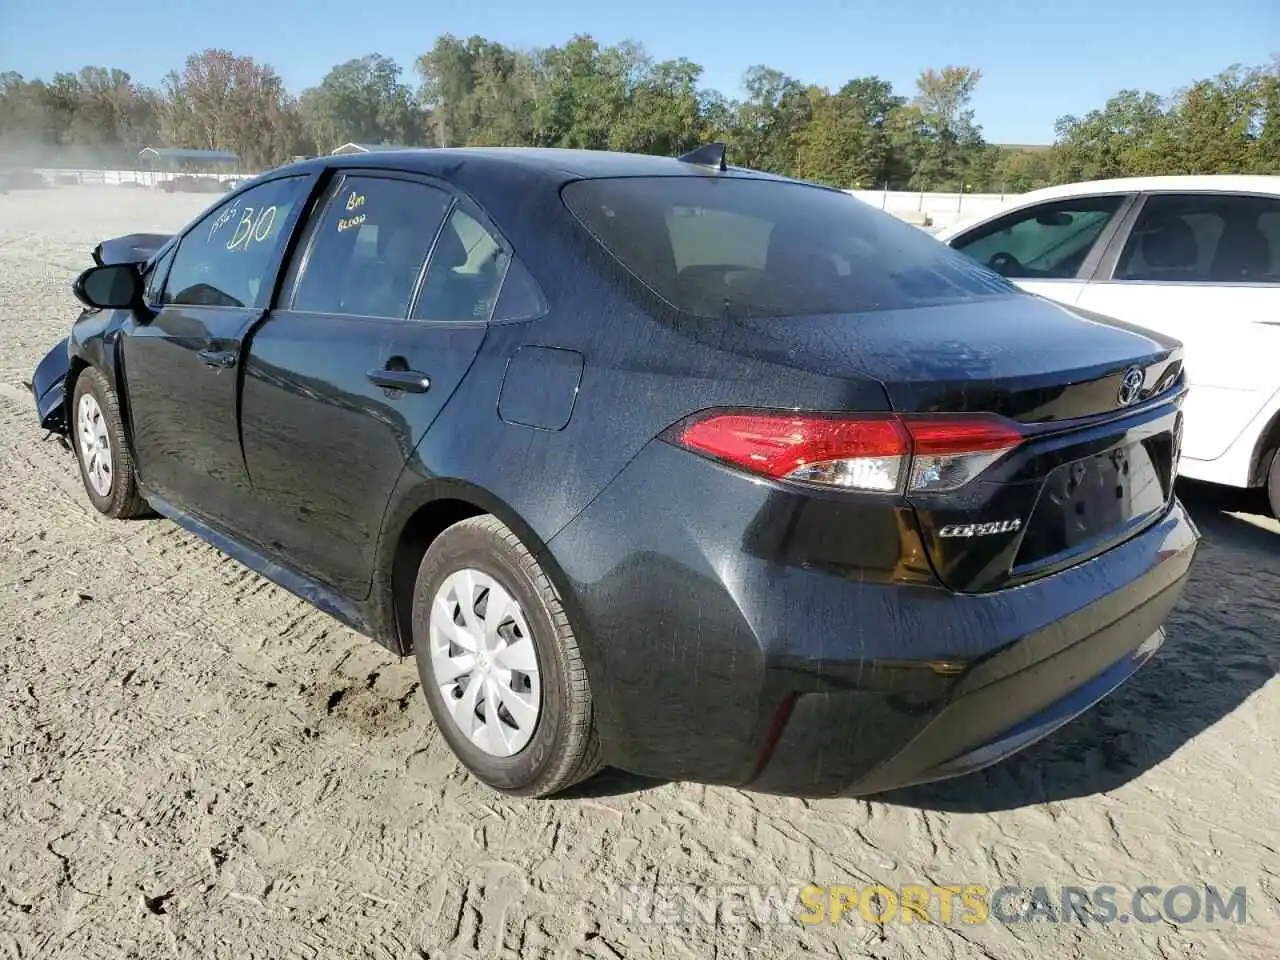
[218, 358]
[410, 381]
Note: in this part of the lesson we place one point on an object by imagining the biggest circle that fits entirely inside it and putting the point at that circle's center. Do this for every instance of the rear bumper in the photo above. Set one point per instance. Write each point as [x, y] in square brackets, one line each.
[49, 385]
[1015, 738]
[715, 656]
[1002, 705]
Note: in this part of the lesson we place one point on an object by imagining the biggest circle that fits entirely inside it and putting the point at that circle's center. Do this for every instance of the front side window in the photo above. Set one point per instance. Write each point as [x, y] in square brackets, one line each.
[1207, 238]
[1049, 241]
[738, 246]
[153, 279]
[228, 259]
[368, 248]
[465, 272]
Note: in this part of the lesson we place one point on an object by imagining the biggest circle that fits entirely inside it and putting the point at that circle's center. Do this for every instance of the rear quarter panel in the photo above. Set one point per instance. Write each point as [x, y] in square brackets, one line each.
[644, 367]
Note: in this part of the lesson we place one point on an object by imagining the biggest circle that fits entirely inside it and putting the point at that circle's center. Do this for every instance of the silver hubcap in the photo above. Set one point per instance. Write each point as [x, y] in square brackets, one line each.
[95, 445]
[483, 662]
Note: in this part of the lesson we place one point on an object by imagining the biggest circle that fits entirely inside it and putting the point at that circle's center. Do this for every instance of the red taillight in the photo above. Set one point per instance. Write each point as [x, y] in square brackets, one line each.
[876, 453]
[948, 452]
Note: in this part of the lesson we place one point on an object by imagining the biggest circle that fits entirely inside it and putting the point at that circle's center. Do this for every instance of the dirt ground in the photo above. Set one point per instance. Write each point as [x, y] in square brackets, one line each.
[194, 764]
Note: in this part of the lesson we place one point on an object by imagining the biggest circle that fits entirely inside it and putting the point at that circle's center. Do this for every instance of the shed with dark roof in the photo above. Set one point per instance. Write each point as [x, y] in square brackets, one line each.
[182, 158]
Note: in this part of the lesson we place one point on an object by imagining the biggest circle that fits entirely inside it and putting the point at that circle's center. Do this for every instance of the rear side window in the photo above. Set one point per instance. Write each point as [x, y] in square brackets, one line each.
[521, 298]
[465, 273]
[733, 246]
[228, 259]
[1207, 238]
[1049, 241]
[369, 246]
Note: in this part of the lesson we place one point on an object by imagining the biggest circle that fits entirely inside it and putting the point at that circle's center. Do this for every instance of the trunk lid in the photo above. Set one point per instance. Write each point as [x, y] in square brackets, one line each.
[1023, 357]
[1100, 453]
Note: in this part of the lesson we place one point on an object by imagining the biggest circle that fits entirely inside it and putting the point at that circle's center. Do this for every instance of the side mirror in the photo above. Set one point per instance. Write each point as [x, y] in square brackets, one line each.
[116, 286]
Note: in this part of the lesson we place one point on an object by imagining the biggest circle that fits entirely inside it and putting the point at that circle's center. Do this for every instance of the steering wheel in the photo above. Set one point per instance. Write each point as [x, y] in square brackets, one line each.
[1005, 264]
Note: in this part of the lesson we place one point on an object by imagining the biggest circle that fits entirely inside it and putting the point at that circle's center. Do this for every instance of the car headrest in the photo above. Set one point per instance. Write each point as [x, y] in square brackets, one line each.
[1170, 244]
[1243, 254]
[403, 246]
[790, 254]
[450, 251]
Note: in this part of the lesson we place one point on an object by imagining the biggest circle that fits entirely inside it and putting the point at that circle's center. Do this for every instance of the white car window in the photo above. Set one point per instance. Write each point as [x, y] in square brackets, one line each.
[1048, 241]
[1269, 224]
[1204, 238]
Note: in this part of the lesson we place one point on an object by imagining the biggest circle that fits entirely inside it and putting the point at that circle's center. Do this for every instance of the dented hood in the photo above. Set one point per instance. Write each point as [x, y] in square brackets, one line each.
[132, 248]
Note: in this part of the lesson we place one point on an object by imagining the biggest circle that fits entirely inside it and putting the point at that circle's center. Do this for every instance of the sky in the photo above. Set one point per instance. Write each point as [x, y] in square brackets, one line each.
[1039, 61]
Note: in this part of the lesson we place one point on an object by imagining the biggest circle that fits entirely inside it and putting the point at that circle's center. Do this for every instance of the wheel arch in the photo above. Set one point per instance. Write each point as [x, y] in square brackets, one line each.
[417, 517]
[97, 347]
[1264, 448]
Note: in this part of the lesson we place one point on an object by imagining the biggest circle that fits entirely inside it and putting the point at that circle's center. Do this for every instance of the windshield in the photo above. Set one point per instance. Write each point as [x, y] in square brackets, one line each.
[733, 246]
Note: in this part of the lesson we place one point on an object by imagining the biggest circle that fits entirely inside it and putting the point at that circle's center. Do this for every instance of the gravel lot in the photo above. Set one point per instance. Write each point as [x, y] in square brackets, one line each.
[193, 763]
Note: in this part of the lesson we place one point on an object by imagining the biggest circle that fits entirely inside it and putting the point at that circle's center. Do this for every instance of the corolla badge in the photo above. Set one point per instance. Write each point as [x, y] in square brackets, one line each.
[1131, 386]
[980, 529]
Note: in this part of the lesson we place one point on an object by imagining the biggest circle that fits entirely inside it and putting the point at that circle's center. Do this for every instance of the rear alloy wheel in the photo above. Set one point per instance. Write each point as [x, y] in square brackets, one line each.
[500, 664]
[97, 433]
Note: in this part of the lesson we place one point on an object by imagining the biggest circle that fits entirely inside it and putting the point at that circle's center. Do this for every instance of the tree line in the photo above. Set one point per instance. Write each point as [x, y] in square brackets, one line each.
[479, 92]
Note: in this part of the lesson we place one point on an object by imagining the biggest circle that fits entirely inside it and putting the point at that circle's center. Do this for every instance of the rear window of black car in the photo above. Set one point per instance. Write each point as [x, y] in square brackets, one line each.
[736, 246]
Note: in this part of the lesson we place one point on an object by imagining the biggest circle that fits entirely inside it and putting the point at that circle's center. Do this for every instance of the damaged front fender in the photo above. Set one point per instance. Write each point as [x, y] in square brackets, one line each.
[49, 387]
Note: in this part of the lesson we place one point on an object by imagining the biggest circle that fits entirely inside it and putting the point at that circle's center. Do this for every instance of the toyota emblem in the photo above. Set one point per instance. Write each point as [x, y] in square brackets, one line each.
[1131, 386]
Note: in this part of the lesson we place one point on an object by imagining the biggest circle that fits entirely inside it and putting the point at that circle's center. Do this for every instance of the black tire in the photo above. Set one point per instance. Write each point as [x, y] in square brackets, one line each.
[1273, 484]
[564, 748]
[122, 500]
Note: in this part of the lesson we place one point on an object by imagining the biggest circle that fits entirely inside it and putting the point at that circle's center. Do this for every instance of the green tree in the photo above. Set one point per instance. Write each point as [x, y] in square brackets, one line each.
[223, 102]
[477, 92]
[846, 142]
[763, 132]
[585, 94]
[582, 92]
[1210, 127]
[941, 137]
[1020, 170]
[361, 101]
[662, 111]
[1266, 152]
[1129, 135]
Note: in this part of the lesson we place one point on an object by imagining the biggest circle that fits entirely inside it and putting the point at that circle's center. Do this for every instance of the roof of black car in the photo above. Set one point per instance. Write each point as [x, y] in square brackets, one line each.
[556, 163]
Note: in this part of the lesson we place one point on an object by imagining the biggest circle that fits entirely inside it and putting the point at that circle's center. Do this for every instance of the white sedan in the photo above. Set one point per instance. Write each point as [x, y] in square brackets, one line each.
[1194, 257]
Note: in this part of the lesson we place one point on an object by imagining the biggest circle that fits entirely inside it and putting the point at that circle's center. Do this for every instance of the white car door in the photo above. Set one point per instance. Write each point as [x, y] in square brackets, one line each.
[1046, 248]
[1205, 268]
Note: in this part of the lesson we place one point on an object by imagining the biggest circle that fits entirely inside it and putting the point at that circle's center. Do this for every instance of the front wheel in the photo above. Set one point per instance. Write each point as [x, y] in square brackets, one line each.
[499, 662]
[97, 432]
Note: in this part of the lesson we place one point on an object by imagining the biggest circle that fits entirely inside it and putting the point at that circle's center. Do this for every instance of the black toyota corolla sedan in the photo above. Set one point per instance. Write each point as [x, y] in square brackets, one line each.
[690, 470]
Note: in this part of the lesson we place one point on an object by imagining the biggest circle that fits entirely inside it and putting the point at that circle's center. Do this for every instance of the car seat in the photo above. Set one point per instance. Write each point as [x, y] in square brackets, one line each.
[804, 274]
[450, 294]
[384, 287]
[1168, 249]
[1243, 254]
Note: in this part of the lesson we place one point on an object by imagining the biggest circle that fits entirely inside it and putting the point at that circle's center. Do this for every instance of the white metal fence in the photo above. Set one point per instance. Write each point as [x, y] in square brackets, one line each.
[115, 178]
[937, 210]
